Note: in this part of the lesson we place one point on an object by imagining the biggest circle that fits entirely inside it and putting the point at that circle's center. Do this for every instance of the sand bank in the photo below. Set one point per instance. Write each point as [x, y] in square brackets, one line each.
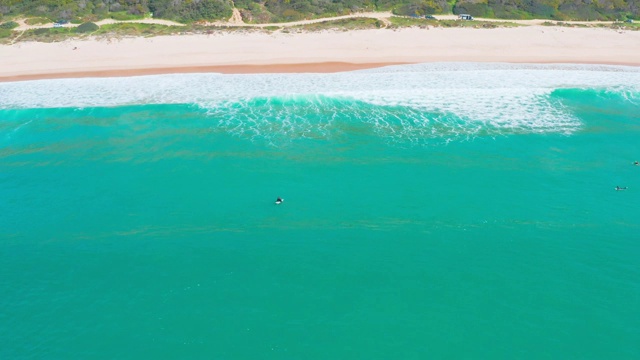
[327, 51]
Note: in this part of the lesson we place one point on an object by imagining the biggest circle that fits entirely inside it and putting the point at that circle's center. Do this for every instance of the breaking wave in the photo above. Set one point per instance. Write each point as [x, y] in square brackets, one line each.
[408, 102]
[320, 117]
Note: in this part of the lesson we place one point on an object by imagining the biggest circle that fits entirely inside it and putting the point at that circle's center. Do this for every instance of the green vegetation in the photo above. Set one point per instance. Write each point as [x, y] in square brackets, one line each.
[5, 33]
[87, 27]
[397, 22]
[293, 10]
[409, 21]
[47, 34]
[477, 24]
[346, 24]
[137, 29]
[37, 21]
[123, 16]
[9, 25]
[619, 25]
[550, 9]
[264, 11]
[148, 30]
[189, 10]
[420, 7]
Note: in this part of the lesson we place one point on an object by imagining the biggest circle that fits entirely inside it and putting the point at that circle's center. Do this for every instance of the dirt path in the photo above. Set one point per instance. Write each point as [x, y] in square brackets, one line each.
[526, 22]
[236, 20]
[13, 41]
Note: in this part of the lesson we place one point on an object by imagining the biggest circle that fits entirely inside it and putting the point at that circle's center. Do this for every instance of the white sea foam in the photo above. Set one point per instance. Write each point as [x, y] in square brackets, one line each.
[505, 96]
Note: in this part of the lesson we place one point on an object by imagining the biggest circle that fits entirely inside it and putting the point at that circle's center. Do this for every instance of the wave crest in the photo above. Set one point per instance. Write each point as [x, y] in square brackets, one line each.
[280, 119]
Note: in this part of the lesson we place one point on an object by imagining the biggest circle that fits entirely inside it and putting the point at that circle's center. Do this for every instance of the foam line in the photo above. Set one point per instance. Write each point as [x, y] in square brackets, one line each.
[407, 102]
[410, 85]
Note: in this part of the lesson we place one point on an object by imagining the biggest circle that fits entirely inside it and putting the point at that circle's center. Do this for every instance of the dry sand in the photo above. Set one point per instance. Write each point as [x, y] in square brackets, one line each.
[327, 51]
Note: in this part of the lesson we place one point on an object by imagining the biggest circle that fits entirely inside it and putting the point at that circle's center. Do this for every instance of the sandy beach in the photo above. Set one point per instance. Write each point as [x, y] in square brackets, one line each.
[327, 51]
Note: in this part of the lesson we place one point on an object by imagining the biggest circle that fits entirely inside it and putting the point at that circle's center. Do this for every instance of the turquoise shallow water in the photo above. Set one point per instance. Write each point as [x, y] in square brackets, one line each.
[149, 230]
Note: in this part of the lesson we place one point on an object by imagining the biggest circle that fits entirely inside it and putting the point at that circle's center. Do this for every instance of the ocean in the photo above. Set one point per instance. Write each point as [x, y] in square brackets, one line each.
[442, 211]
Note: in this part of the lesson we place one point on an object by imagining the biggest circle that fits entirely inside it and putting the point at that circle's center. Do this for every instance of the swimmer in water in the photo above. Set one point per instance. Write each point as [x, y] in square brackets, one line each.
[636, 163]
[618, 188]
[279, 200]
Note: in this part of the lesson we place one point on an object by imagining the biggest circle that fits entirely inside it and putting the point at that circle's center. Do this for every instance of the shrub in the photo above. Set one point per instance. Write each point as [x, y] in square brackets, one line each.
[9, 25]
[478, 10]
[37, 21]
[124, 16]
[41, 31]
[87, 27]
[5, 33]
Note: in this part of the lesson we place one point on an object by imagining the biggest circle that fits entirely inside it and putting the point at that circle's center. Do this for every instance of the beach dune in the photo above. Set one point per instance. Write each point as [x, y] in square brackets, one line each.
[327, 51]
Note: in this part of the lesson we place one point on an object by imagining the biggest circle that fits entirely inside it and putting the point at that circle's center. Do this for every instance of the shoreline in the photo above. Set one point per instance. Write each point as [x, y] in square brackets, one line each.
[314, 52]
[323, 67]
[317, 68]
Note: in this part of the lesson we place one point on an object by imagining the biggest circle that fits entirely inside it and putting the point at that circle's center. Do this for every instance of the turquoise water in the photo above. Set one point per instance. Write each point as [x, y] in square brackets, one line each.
[411, 228]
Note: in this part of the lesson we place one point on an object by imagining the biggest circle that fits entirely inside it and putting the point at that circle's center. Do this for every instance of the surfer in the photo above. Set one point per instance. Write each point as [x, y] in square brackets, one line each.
[279, 200]
[618, 188]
